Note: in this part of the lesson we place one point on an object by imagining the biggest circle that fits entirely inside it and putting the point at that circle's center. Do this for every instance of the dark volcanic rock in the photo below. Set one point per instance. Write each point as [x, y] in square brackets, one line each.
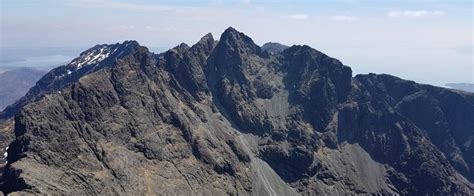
[229, 117]
[89, 61]
[443, 115]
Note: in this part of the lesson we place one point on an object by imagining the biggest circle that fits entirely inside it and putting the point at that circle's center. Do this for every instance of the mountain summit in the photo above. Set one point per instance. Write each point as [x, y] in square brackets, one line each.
[89, 61]
[229, 118]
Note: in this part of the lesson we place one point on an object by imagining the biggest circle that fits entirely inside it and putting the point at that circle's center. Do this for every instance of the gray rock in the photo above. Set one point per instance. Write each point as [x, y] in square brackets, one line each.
[229, 118]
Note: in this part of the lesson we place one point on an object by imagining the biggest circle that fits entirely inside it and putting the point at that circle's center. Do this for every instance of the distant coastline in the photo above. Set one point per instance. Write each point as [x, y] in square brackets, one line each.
[12, 60]
[469, 87]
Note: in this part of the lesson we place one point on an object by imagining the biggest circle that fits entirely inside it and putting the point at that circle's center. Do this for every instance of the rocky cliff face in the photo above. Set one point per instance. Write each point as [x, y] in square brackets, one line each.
[226, 117]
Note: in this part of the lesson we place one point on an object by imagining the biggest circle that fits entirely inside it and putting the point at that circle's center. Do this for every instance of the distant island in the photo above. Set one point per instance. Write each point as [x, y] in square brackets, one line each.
[468, 87]
[16, 82]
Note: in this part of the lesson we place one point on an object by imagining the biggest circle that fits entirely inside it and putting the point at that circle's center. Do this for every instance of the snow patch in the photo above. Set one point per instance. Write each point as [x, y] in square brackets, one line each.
[93, 57]
[5, 155]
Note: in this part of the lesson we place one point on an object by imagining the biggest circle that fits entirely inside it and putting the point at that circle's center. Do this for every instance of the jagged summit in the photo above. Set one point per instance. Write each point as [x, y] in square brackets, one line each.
[182, 46]
[231, 39]
[98, 53]
[100, 56]
[207, 41]
[224, 118]
[206, 38]
[230, 31]
[89, 61]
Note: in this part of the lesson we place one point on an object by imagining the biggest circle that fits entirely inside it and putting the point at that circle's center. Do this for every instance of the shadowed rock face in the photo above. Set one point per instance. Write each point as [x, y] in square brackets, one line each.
[227, 117]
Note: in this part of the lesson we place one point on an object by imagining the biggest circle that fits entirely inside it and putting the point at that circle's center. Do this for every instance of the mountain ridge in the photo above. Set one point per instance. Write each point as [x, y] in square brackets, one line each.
[228, 118]
[87, 62]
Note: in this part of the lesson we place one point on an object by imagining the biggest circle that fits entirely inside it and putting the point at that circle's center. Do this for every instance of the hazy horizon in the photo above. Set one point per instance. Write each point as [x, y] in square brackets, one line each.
[427, 41]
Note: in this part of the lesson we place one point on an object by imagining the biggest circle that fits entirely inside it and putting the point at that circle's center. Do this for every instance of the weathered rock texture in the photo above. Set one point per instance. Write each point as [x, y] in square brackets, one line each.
[227, 117]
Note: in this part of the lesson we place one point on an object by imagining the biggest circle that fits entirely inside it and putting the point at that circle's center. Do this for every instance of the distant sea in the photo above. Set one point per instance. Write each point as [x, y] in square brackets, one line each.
[43, 58]
[42, 62]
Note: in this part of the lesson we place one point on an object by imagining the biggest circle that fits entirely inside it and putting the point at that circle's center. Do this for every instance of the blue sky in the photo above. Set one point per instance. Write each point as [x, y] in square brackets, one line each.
[426, 40]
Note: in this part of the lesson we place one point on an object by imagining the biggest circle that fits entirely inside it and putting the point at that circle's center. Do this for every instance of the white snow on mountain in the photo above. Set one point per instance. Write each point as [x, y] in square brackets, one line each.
[5, 155]
[93, 57]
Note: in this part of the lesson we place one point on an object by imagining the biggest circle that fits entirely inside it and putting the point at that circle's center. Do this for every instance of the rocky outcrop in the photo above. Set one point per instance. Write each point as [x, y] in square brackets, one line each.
[227, 117]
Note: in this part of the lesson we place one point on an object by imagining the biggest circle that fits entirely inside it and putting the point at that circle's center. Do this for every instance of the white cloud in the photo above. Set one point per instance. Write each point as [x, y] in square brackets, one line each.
[344, 18]
[298, 16]
[415, 13]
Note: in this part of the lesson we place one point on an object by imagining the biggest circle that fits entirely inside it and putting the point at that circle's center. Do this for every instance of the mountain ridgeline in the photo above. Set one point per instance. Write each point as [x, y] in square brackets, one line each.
[228, 117]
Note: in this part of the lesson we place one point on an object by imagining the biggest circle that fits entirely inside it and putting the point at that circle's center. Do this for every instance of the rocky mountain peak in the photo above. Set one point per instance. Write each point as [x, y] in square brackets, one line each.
[206, 43]
[182, 47]
[225, 119]
[231, 39]
[95, 55]
[92, 60]
[206, 38]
